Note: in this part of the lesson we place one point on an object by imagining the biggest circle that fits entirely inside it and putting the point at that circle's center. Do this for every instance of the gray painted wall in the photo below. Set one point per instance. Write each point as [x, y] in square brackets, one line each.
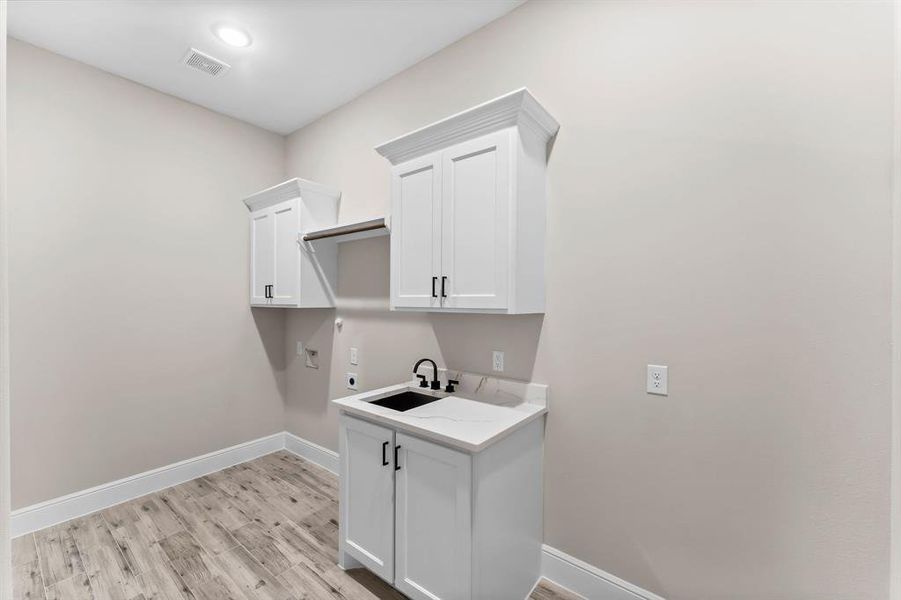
[720, 203]
[132, 344]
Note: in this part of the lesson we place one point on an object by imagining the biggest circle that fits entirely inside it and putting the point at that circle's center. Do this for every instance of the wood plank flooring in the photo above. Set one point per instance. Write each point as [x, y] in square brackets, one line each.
[263, 530]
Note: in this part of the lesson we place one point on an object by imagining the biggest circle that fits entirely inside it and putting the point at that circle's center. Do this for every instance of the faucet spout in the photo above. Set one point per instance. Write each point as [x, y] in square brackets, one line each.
[436, 385]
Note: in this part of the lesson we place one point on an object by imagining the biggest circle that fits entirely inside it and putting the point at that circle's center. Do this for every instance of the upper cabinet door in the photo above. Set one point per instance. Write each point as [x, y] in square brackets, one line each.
[367, 495]
[416, 233]
[434, 521]
[476, 223]
[262, 255]
[286, 283]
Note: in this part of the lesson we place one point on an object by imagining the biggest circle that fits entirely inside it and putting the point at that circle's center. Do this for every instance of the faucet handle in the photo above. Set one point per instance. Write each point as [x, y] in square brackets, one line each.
[422, 380]
[450, 385]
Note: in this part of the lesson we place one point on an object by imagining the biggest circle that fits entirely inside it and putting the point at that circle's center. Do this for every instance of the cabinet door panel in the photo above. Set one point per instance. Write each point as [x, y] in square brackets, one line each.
[287, 225]
[415, 232]
[475, 222]
[433, 513]
[367, 495]
[262, 254]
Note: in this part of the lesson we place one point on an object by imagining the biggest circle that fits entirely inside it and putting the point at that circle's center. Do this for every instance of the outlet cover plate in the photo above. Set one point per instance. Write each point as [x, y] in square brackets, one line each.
[497, 361]
[351, 381]
[657, 380]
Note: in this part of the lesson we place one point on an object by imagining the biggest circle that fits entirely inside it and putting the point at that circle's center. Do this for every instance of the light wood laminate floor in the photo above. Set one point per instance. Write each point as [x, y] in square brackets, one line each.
[263, 530]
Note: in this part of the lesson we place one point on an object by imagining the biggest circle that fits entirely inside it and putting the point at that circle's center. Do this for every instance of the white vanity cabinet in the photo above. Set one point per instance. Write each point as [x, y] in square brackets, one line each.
[438, 522]
[433, 528]
[468, 205]
[285, 271]
[367, 503]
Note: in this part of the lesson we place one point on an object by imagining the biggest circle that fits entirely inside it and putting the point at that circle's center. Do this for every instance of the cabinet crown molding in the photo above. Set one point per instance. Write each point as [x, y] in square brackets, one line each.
[517, 108]
[287, 190]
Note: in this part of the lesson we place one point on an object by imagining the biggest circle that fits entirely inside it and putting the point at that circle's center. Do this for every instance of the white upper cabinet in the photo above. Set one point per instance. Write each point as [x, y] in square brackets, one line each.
[416, 232]
[468, 204]
[286, 271]
[475, 223]
[262, 251]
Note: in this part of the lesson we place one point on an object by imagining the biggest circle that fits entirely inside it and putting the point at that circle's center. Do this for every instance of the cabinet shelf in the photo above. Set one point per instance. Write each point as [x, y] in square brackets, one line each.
[348, 232]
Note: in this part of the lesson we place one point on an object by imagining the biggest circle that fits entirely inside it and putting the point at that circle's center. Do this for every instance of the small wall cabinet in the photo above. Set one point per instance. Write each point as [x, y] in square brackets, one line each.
[468, 205]
[438, 523]
[285, 271]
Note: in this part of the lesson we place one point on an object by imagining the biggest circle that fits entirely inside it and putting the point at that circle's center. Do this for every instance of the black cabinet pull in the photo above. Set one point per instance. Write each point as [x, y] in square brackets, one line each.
[268, 291]
[434, 280]
[443, 281]
[384, 454]
[396, 464]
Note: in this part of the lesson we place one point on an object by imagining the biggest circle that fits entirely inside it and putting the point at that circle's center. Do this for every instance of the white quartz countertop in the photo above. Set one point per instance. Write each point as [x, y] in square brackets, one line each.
[470, 420]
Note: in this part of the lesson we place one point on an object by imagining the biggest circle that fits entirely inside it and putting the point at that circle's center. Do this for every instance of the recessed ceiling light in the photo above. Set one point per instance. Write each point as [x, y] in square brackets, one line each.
[233, 36]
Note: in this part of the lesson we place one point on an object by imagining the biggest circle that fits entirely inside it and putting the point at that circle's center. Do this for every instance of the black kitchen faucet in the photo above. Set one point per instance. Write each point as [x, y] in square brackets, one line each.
[436, 385]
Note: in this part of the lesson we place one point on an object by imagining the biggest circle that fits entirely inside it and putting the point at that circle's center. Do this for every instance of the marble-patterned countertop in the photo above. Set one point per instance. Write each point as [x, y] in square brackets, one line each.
[481, 411]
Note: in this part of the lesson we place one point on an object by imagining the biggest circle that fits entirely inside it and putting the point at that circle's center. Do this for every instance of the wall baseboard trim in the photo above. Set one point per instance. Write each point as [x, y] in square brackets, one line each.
[325, 458]
[78, 504]
[587, 580]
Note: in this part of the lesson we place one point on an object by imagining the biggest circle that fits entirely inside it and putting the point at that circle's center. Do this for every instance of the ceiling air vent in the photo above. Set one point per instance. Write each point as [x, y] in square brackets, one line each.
[206, 63]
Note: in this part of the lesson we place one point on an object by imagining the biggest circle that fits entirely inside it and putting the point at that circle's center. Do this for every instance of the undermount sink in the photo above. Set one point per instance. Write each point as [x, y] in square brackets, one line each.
[404, 401]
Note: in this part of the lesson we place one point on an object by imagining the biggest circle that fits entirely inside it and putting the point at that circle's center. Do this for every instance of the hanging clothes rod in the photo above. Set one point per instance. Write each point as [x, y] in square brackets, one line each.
[348, 230]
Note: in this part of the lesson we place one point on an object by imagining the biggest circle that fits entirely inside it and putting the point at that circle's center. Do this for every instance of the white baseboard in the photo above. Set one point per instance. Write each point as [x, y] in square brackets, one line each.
[325, 458]
[587, 580]
[78, 504]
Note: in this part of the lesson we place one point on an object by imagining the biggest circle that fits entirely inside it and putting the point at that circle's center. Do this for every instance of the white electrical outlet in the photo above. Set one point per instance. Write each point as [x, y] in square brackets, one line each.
[657, 380]
[497, 361]
[354, 357]
[299, 348]
[312, 360]
[351, 381]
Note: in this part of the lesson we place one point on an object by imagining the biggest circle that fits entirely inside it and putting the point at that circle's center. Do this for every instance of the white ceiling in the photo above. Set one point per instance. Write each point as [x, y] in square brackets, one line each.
[307, 57]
